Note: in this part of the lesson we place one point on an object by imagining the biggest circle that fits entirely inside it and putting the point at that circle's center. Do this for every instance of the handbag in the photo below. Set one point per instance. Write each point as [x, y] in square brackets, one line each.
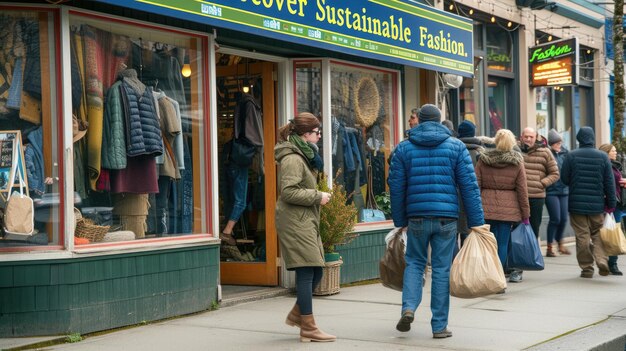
[371, 212]
[241, 153]
[392, 264]
[476, 270]
[524, 252]
[19, 214]
[612, 236]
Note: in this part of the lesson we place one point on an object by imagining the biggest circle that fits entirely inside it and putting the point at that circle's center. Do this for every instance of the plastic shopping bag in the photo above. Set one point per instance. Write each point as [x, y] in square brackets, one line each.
[476, 270]
[612, 236]
[392, 264]
[524, 252]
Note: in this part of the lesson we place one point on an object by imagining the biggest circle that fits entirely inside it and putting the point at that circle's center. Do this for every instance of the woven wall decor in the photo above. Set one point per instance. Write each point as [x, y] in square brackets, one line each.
[366, 101]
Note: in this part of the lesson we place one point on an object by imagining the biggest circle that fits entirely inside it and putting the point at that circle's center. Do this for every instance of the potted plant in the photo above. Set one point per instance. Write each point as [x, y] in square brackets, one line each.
[337, 220]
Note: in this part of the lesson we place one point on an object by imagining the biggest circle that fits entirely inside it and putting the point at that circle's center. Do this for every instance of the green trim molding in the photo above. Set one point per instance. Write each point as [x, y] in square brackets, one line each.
[361, 256]
[83, 295]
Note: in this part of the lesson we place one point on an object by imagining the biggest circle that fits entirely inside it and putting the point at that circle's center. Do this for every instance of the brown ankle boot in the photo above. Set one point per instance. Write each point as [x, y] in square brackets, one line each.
[549, 252]
[310, 332]
[294, 318]
[563, 249]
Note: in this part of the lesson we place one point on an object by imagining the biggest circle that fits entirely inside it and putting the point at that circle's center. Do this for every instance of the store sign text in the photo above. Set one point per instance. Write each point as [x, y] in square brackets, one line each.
[554, 63]
[400, 31]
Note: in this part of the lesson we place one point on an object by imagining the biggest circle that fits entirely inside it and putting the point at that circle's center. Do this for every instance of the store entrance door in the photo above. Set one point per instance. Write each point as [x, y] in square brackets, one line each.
[247, 193]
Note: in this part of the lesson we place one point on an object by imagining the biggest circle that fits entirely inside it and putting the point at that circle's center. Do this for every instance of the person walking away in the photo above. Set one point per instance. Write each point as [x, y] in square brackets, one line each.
[619, 184]
[423, 178]
[541, 172]
[556, 199]
[588, 174]
[298, 217]
[467, 134]
[502, 180]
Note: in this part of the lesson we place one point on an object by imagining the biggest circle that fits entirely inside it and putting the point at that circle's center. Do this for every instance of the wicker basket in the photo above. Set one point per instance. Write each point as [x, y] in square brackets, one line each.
[366, 101]
[329, 285]
[86, 228]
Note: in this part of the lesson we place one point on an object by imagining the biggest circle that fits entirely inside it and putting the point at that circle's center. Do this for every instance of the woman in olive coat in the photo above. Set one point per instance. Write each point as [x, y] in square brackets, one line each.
[298, 217]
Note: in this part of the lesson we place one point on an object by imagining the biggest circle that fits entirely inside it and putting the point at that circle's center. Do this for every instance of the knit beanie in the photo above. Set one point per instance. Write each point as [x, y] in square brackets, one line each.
[467, 129]
[429, 113]
[553, 137]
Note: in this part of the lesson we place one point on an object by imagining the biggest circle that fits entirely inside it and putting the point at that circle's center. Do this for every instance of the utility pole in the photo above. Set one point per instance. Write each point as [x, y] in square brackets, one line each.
[618, 72]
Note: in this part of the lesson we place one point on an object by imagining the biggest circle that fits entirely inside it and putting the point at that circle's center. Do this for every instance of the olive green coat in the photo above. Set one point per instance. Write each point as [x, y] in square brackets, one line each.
[297, 209]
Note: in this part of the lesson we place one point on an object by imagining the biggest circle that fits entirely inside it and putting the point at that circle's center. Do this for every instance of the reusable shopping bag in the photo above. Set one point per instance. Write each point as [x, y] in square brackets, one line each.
[19, 214]
[612, 236]
[476, 270]
[524, 252]
[392, 264]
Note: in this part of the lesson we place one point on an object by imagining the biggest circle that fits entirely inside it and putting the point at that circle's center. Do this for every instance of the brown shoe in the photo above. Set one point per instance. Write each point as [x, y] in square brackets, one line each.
[586, 274]
[603, 269]
[310, 332]
[228, 239]
[293, 318]
[563, 249]
[550, 252]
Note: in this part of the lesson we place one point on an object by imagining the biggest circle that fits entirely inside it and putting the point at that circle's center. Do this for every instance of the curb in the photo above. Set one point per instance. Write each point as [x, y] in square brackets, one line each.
[607, 335]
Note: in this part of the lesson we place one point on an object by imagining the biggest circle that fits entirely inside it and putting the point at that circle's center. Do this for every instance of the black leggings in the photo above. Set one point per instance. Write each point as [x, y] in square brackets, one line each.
[307, 279]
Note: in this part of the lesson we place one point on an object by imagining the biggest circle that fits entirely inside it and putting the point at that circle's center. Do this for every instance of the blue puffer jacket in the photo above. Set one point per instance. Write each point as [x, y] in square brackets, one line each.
[425, 173]
[587, 171]
[143, 131]
[558, 188]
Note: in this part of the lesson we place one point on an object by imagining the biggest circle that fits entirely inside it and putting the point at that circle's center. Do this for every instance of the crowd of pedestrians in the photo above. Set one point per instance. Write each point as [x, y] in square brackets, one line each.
[444, 184]
[437, 177]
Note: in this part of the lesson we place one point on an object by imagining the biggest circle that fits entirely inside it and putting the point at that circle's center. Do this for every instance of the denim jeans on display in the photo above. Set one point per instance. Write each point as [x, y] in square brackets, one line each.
[440, 234]
[502, 231]
[307, 279]
[238, 183]
[557, 209]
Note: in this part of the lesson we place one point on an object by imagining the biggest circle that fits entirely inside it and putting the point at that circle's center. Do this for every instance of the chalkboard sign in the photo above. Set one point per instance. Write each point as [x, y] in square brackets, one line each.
[12, 160]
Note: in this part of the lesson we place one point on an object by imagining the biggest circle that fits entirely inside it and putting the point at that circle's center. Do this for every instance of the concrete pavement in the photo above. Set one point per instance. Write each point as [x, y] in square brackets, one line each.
[550, 310]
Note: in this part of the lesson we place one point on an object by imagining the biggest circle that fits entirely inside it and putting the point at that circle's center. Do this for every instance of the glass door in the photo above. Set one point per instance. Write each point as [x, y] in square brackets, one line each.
[246, 108]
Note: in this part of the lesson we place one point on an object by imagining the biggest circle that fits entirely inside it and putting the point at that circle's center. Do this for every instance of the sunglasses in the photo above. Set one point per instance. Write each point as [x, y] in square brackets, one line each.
[318, 132]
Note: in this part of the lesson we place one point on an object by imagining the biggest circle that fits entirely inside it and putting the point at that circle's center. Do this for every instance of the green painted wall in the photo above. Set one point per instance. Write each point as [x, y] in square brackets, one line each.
[83, 295]
[361, 256]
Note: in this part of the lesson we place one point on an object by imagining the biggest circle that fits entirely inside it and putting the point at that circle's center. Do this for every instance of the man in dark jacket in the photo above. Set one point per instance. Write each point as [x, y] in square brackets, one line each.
[424, 175]
[587, 172]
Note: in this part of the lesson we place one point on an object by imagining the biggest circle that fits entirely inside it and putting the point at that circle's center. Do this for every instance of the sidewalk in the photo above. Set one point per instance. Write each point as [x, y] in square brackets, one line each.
[546, 305]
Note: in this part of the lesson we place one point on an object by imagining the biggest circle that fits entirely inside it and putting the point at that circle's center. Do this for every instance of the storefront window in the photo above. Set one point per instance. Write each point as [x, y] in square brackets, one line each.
[499, 49]
[471, 96]
[138, 115]
[583, 108]
[499, 98]
[28, 129]
[309, 83]
[542, 95]
[563, 114]
[362, 114]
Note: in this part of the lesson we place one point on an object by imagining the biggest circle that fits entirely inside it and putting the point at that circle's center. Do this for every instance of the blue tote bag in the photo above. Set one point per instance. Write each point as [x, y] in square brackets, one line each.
[524, 251]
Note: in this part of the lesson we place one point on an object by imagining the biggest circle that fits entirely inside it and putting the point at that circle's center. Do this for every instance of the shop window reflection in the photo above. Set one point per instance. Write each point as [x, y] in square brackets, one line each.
[27, 130]
[137, 168]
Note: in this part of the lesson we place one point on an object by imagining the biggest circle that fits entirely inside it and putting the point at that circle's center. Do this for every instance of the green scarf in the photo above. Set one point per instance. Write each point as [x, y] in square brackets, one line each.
[302, 145]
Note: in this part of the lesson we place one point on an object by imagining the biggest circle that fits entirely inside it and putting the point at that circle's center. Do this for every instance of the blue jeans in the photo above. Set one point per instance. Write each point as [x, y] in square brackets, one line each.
[502, 231]
[440, 234]
[557, 209]
[238, 183]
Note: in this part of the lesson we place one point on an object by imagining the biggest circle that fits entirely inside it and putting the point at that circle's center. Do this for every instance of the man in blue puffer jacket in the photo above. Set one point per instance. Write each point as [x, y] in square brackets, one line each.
[587, 171]
[425, 172]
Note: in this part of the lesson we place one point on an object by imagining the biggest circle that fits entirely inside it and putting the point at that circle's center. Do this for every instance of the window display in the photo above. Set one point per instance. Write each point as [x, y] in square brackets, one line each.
[137, 122]
[362, 112]
[27, 130]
